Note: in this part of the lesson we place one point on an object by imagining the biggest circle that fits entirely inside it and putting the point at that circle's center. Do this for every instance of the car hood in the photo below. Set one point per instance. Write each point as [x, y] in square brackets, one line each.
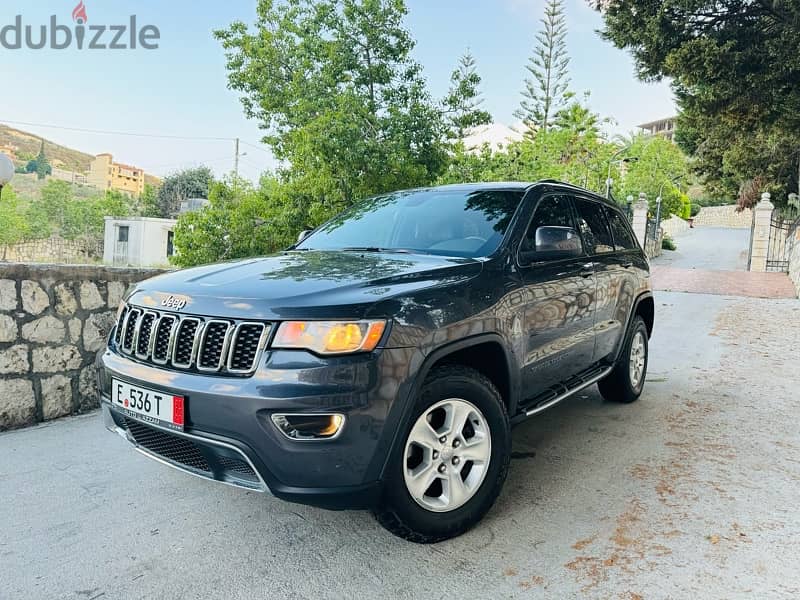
[303, 284]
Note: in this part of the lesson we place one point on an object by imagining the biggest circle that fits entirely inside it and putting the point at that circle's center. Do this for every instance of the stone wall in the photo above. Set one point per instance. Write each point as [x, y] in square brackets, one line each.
[794, 258]
[723, 216]
[674, 226]
[53, 320]
[54, 249]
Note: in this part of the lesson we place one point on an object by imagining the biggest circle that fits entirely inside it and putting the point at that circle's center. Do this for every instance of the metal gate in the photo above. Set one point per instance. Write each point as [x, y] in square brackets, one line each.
[779, 248]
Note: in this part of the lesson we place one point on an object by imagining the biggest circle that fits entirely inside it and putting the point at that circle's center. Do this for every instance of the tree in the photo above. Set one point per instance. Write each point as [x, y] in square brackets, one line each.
[13, 224]
[149, 205]
[545, 90]
[181, 186]
[345, 106]
[463, 101]
[55, 196]
[43, 167]
[734, 69]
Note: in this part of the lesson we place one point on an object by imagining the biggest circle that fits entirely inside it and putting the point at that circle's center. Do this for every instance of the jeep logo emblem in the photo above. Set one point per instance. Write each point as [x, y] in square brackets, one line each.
[174, 302]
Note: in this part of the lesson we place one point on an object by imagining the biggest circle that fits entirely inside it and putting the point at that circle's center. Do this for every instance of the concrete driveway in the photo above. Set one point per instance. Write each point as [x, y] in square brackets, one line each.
[689, 493]
[711, 248]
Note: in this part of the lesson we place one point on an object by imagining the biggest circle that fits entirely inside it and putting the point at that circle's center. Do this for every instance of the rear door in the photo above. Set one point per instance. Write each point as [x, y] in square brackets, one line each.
[559, 303]
[611, 274]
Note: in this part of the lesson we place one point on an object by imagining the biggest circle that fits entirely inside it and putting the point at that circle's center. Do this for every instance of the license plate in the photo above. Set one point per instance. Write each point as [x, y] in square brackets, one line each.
[148, 405]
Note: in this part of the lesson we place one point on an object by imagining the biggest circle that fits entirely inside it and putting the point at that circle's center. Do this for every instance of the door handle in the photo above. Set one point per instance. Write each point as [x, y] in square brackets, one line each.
[587, 270]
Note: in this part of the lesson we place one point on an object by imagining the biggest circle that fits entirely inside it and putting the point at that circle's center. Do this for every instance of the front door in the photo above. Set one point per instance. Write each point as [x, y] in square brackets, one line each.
[559, 293]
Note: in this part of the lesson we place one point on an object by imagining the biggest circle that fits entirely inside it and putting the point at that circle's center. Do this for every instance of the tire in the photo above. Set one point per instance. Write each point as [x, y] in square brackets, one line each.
[450, 393]
[621, 385]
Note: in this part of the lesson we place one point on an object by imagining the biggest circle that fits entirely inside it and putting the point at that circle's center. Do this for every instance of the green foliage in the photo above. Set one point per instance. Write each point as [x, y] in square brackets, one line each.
[658, 166]
[149, 205]
[667, 243]
[13, 224]
[545, 90]
[43, 168]
[734, 69]
[463, 101]
[180, 186]
[346, 105]
[84, 219]
[694, 210]
[240, 221]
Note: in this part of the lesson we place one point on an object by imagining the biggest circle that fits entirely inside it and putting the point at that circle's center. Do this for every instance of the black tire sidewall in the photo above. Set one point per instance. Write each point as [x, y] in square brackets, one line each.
[440, 385]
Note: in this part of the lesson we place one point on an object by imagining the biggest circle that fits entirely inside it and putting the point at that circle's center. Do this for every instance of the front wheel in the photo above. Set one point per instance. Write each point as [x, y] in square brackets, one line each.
[453, 459]
[626, 380]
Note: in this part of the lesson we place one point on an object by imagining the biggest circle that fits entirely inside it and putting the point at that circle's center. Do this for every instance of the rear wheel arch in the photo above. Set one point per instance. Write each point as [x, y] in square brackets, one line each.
[646, 308]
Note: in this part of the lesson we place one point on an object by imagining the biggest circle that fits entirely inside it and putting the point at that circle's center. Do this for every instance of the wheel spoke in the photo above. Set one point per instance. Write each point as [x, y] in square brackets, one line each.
[458, 413]
[457, 492]
[419, 482]
[423, 434]
[477, 449]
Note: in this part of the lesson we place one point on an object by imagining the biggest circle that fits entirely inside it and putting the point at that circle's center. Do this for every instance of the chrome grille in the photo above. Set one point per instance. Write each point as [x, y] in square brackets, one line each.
[163, 334]
[245, 344]
[212, 345]
[143, 336]
[191, 343]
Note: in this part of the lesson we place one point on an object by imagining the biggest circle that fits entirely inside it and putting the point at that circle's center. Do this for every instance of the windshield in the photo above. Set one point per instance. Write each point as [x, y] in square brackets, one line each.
[448, 223]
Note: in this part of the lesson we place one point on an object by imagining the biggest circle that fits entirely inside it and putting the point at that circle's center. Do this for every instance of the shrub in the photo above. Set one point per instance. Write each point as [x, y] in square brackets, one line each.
[695, 210]
[668, 244]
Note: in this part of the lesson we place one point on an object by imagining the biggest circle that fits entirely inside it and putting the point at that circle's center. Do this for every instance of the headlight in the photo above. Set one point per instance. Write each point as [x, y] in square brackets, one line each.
[330, 337]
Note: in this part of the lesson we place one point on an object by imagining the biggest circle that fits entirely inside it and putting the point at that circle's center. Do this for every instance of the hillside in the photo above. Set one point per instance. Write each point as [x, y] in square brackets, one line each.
[26, 146]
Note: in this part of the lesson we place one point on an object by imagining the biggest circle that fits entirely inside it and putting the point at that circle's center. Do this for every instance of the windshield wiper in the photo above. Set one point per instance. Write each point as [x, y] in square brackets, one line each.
[374, 249]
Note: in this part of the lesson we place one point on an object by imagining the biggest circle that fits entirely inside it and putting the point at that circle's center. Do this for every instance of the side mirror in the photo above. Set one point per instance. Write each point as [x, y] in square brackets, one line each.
[554, 243]
[303, 235]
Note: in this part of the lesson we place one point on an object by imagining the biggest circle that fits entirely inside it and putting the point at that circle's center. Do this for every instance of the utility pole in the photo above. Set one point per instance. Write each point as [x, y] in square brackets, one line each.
[236, 158]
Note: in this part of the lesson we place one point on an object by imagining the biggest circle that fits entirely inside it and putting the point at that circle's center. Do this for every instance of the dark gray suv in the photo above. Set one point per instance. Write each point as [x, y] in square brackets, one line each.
[381, 362]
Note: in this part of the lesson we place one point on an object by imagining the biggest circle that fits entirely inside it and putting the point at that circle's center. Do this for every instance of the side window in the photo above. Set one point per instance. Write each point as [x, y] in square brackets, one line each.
[623, 238]
[593, 226]
[551, 233]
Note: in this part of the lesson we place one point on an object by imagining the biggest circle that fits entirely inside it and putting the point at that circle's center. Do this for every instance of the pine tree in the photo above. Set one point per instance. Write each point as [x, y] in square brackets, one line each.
[463, 101]
[43, 167]
[545, 90]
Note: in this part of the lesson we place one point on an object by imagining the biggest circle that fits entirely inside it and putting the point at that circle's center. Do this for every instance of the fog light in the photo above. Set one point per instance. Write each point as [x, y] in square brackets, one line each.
[309, 427]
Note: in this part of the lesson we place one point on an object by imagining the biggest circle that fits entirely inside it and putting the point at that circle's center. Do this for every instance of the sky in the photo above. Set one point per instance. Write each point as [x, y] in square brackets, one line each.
[180, 89]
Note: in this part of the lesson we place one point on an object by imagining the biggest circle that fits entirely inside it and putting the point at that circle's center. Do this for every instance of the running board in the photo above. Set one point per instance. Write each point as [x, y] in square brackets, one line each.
[581, 384]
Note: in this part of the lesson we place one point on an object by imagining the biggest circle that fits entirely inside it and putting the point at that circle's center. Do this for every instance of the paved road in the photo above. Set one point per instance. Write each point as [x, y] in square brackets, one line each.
[689, 493]
[713, 248]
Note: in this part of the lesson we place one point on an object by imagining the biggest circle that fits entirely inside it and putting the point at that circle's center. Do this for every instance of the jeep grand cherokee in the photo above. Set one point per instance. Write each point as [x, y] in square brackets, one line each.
[381, 361]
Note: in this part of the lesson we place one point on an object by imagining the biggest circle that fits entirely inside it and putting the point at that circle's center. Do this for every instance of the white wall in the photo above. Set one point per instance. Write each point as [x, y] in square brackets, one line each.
[147, 241]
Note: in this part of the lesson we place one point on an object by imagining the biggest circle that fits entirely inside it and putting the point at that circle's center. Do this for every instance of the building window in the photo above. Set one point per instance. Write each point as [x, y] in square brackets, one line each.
[122, 233]
[170, 243]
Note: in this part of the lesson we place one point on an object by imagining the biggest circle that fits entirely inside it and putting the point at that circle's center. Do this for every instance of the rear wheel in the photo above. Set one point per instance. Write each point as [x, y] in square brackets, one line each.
[626, 380]
[453, 460]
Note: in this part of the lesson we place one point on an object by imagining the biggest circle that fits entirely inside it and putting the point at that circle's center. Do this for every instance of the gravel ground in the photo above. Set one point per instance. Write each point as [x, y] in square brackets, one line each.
[689, 493]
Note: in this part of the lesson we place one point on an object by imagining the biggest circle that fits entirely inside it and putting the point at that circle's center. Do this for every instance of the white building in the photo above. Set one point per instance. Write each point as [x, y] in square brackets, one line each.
[138, 241]
[497, 135]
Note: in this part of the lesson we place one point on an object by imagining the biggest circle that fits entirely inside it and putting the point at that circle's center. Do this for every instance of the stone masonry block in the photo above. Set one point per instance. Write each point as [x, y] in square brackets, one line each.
[66, 304]
[17, 403]
[116, 290]
[8, 329]
[96, 329]
[90, 296]
[14, 360]
[34, 298]
[8, 295]
[54, 359]
[48, 329]
[56, 397]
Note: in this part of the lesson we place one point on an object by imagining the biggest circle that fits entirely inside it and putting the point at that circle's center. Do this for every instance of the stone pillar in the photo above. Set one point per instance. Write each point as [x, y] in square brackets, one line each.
[762, 213]
[640, 218]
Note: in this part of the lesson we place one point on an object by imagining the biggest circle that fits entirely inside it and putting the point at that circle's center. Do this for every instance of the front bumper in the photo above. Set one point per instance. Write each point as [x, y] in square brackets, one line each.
[229, 435]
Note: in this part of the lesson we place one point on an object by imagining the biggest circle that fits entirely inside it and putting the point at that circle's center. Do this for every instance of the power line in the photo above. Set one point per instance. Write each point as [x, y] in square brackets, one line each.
[126, 133]
[256, 147]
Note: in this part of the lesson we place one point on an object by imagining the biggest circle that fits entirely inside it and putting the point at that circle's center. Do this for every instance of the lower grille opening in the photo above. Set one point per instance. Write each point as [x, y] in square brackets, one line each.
[207, 460]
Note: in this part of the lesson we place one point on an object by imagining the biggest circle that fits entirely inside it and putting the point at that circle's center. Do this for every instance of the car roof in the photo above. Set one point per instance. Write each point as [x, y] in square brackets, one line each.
[520, 186]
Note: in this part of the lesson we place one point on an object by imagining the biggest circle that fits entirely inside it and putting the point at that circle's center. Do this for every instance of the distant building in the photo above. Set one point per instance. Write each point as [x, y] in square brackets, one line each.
[662, 127]
[496, 135]
[138, 241]
[105, 174]
[192, 205]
